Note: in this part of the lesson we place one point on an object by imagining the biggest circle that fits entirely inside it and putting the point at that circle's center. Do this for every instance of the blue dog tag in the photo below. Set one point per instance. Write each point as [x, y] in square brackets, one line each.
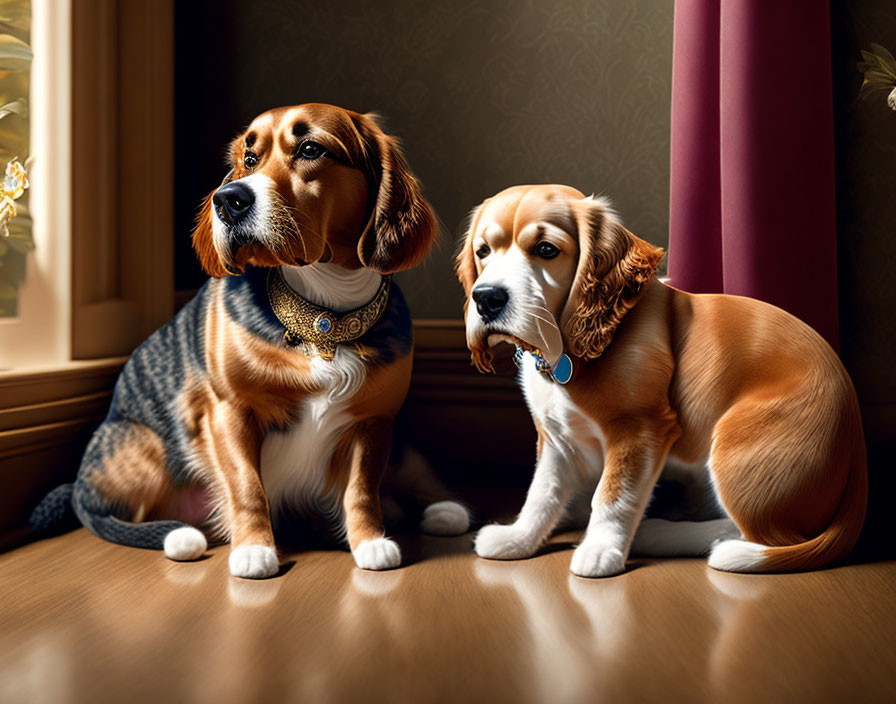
[562, 371]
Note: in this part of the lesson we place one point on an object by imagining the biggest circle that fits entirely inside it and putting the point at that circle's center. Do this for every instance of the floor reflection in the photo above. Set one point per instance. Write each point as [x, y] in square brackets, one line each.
[37, 669]
[559, 667]
[85, 621]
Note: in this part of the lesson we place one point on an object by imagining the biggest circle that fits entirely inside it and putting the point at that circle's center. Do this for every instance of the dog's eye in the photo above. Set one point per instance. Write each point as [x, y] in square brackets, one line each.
[546, 250]
[250, 159]
[310, 151]
[483, 251]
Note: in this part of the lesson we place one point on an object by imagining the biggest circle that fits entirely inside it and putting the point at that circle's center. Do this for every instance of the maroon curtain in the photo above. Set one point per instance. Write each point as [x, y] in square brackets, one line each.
[752, 189]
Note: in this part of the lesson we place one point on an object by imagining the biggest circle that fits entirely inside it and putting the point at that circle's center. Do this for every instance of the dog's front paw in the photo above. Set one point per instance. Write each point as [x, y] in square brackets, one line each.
[592, 559]
[497, 542]
[377, 554]
[445, 518]
[253, 561]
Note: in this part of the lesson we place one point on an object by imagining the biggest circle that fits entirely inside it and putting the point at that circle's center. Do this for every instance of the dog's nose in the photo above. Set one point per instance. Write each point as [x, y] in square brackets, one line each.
[233, 201]
[490, 301]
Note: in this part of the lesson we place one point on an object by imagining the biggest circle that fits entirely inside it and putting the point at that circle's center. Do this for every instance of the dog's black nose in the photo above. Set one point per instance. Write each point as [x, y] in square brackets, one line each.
[490, 301]
[233, 201]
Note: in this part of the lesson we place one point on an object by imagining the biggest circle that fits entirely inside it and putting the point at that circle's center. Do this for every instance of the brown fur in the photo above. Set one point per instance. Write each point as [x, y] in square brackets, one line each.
[401, 228]
[731, 382]
[202, 240]
[614, 265]
[359, 206]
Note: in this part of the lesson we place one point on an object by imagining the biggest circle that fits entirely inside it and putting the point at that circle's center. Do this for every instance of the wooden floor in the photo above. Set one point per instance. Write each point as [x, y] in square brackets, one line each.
[86, 621]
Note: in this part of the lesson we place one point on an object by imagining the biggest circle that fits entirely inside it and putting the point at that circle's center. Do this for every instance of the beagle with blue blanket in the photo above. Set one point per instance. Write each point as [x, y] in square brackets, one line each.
[275, 388]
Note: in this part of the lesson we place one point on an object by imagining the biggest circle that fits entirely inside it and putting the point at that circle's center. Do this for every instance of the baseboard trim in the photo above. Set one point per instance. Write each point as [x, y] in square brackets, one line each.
[471, 426]
[47, 415]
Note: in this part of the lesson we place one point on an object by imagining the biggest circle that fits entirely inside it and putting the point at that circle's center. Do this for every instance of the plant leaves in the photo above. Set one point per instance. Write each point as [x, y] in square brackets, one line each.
[14, 53]
[885, 58]
[16, 107]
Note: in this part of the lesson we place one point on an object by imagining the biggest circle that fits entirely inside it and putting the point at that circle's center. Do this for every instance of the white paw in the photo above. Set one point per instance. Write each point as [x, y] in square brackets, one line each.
[594, 559]
[253, 561]
[185, 543]
[445, 518]
[377, 554]
[498, 542]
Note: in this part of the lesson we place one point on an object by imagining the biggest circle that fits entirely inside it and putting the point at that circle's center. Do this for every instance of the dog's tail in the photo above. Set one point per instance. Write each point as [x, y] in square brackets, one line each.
[411, 480]
[179, 540]
[830, 546]
[55, 514]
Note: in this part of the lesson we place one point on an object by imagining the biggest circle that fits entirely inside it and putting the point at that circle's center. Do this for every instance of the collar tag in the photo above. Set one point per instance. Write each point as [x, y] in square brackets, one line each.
[561, 373]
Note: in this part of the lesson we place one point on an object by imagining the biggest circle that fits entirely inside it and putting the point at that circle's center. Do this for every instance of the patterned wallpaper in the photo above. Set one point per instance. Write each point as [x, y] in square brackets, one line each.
[866, 216]
[484, 93]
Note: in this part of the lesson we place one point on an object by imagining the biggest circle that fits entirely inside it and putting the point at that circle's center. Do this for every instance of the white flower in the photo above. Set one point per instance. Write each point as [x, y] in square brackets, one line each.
[891, 99]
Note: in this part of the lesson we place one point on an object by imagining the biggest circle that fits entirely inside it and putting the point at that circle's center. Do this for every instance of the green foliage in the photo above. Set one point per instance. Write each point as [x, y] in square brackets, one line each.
[15, 69]
[879, 68]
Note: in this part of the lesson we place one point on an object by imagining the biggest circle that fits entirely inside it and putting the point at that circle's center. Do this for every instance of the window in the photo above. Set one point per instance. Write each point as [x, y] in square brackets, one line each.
[15, 81]
[35, 265]
[99, 277]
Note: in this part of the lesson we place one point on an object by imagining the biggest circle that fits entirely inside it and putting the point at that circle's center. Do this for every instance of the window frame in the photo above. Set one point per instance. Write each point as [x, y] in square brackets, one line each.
[40, 334]
[101, 276]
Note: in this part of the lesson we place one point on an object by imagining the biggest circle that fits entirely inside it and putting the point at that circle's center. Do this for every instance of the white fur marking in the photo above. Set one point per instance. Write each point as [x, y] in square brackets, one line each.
[445, 518]
[185, 543]
[253, 561]
[545, 501]
[527, 314]
[570, 459]
[596, 558]
[611, 526]
[737, 556]
[574, 435]
[294, 462]
[377, 554]
[660, 538]
[258, 219]
[333, 286]
[604, 548]
[513, 542]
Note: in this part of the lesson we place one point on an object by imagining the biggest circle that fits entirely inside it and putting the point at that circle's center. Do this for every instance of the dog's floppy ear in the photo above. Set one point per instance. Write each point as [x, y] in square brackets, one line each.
[402, 225]
[613, 267]
[465, 268]
[204, 236]
[465, 264]
[203, 239]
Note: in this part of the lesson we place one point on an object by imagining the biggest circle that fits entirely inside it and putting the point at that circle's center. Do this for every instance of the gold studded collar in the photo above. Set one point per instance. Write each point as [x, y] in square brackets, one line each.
[315, 328]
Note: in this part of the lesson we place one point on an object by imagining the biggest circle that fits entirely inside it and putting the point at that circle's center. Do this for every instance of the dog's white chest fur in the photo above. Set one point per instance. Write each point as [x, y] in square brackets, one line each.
[294, 462]
[570, 431]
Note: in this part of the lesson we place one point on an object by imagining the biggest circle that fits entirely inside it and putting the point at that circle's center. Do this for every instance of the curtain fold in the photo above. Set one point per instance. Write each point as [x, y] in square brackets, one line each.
[752, 208]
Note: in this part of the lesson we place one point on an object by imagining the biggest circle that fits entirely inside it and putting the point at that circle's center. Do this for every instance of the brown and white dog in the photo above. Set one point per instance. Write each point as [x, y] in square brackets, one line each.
[234, 411]
[728, 393]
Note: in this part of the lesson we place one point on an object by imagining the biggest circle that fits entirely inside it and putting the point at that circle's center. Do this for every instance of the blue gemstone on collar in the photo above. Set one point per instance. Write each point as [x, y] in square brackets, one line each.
[324, 325]
[562, 371]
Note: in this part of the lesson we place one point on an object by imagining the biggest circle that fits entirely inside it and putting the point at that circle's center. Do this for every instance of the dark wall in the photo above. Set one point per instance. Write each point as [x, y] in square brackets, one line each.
[490, 93]
[866, 229]
[485, 94]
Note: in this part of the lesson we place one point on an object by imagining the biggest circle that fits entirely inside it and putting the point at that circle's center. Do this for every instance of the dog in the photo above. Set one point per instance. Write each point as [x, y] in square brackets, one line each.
[273, 391]
[629, 379]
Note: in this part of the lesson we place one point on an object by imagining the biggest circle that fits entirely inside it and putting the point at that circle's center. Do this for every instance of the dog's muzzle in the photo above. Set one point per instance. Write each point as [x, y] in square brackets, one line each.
[233, 202]
[490, 301]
